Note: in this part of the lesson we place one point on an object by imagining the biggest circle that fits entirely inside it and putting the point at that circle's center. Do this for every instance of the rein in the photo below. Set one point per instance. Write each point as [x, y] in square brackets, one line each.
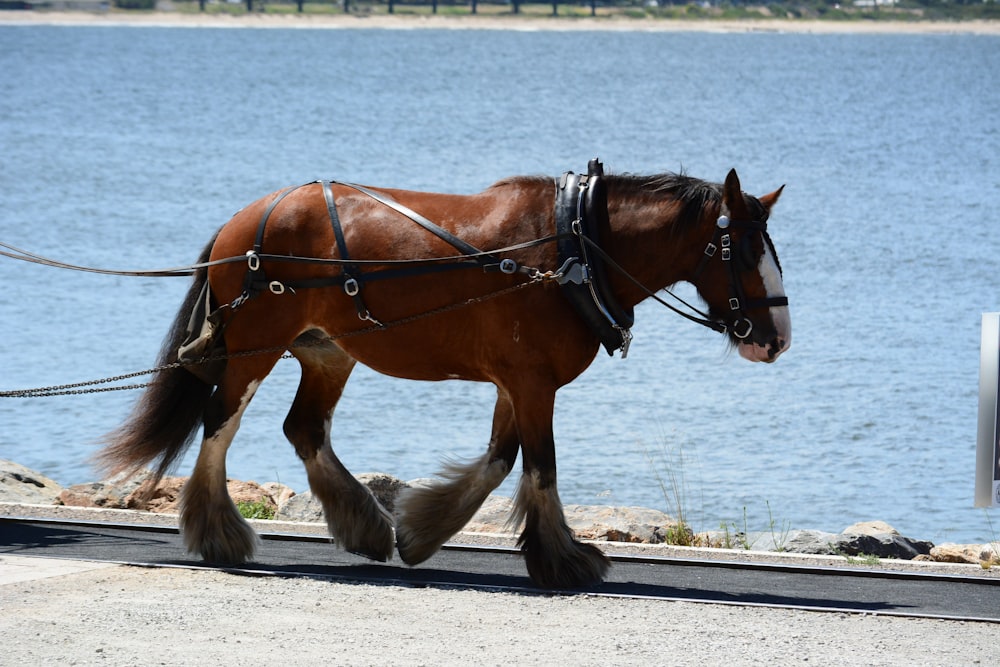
[89, 386]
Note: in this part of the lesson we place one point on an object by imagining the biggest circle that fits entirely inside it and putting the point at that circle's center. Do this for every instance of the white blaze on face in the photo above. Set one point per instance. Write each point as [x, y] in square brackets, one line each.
[771, 277]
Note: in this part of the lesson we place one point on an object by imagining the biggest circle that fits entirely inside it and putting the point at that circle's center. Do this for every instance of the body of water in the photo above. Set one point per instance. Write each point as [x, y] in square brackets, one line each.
[128, 147]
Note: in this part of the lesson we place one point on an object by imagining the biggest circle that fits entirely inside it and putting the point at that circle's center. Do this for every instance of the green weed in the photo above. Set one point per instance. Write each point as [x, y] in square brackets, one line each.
[259, 509]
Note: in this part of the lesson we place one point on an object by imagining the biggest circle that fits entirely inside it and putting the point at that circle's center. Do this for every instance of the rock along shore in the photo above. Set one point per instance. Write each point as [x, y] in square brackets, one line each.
[623, 525]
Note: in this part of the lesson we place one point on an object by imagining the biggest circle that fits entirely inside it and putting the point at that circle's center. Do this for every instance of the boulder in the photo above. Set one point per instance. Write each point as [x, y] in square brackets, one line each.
[164, 498]
[589, 522]
[135, 493]
[279, 493]
[982, 554]
[797, 542]
[112, 493]
[493, 517]
[27, 487]
[618, 524]
[877, 538]
[304, 507]
[385, 488]
[871, 528]
[301, 507]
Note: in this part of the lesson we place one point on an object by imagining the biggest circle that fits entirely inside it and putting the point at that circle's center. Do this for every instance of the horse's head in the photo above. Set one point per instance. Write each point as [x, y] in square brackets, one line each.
[740, 277]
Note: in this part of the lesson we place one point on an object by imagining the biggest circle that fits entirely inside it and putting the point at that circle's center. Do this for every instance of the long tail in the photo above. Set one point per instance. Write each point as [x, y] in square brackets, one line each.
[166, 417]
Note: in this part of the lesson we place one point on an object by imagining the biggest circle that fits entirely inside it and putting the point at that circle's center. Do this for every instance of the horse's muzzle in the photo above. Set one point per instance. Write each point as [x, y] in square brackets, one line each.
[766, 353]
[772, 349]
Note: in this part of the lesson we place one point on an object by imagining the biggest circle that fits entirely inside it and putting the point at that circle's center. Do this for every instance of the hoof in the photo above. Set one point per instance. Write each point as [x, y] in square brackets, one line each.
[581, 566]
[226, 539]
[412, 550]
[365, 530]
[376, 545]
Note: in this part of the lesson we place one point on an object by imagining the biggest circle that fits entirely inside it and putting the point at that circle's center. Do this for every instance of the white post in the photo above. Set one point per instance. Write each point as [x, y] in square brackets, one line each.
[987, 445]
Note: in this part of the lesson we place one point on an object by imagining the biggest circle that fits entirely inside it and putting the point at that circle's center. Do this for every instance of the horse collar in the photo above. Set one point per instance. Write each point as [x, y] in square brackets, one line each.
[581, 213]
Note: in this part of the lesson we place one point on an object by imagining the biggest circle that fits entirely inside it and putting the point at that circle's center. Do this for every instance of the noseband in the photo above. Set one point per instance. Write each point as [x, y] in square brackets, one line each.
[738, 323]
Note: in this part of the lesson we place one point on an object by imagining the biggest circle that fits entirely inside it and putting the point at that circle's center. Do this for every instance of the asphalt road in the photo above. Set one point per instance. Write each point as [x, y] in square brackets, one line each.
[790, 586]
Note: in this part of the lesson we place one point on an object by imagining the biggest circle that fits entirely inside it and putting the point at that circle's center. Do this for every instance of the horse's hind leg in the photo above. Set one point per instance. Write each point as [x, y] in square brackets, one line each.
[428, 516]
[354, 517]
[554, 557]
[210, 522]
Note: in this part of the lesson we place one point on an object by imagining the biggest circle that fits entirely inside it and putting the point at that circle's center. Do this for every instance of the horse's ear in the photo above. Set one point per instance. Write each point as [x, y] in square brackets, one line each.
[767, 201]
[732, 197]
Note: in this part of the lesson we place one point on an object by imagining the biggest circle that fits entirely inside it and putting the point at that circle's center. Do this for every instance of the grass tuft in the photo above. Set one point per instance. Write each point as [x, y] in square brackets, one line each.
[259, 509]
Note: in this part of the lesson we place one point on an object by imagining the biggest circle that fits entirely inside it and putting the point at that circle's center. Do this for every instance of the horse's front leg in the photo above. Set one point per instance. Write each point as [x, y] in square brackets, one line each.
[553, 555]
[353, 515]
[429, 515]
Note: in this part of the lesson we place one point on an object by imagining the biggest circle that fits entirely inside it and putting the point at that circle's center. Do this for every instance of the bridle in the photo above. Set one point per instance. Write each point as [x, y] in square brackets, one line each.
[722, 241]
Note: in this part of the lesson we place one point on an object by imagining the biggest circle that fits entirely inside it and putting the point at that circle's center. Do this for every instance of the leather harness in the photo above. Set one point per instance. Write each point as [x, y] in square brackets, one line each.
[581, 216]
[581, 221]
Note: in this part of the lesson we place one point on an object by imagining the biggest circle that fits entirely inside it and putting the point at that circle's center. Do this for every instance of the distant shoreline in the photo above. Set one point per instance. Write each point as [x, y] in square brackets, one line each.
[518, 23]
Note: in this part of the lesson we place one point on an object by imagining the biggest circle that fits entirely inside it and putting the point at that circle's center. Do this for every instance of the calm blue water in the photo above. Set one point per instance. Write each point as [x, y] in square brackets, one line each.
[128, 147]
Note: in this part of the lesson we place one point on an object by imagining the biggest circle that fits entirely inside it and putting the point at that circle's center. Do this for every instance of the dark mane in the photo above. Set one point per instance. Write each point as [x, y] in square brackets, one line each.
[693, 194]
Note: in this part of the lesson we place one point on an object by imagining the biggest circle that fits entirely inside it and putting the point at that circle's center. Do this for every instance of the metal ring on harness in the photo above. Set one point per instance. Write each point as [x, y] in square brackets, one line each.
[508, 266]
[745, 334]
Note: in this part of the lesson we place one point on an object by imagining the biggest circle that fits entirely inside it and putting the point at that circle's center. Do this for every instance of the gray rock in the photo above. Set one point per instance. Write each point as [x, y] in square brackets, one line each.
[384, 487]
[22, 485]
[883, 545]
[301, 507]
[797, 542]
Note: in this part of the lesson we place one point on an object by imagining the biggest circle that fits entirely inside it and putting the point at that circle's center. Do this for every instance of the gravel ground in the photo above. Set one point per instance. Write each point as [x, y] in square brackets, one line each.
[131, 616]
[55, 612]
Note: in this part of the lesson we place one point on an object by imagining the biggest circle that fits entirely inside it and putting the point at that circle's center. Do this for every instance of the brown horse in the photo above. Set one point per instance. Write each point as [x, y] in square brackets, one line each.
[339, 274]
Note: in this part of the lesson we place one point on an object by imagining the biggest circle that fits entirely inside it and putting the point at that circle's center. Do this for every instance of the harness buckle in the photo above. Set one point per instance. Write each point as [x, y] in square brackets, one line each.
[576, 272]
[277, 287]
[626, 340]
[253, 260]
[745, 334]
[710, 250]
[508, 266]
[352, 288]
[734, 303]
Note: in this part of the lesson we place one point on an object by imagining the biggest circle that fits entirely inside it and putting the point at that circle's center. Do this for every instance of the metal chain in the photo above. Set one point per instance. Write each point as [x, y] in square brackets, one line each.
[75, 388]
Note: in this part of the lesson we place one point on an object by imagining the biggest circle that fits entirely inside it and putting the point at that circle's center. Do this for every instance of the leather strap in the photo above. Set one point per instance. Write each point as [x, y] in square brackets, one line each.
[350, 275]
[444, 235]
[580, 210]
